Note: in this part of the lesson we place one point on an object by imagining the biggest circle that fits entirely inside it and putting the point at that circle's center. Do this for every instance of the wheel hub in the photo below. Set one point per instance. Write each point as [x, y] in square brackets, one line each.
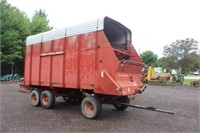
[34, 98]
[89, 108]
[45, 99]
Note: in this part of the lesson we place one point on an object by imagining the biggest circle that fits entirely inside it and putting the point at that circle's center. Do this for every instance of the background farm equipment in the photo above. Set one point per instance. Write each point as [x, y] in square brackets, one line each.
[9, 77]
[178, 78]
[150, 77]
[195, 82]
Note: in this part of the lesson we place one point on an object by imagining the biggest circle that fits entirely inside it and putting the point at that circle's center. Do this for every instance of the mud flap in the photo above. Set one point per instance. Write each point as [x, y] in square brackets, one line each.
[25, 88]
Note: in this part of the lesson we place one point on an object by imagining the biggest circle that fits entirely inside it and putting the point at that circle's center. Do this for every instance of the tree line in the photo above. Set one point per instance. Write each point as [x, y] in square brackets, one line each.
[15, 27]
[182, 55]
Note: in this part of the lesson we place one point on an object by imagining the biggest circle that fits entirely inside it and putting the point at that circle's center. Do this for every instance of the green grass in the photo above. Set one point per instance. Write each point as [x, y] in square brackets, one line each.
[188, 81]
[161, 74]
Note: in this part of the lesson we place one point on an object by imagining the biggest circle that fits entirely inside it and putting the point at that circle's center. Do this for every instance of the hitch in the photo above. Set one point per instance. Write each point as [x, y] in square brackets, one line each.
[151, 108]
[143, 89]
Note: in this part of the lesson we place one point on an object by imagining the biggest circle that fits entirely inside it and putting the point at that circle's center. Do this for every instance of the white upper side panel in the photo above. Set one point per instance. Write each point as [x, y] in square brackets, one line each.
[65, 32]
[60, 33]
[84, 28]
[47, 36]
[34, 39]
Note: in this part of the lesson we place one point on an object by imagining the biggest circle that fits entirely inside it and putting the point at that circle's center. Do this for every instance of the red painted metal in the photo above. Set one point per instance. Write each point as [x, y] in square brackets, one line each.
[86, 62]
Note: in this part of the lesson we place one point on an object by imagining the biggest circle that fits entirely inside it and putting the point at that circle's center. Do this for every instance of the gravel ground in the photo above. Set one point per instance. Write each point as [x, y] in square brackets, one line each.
[17, 115]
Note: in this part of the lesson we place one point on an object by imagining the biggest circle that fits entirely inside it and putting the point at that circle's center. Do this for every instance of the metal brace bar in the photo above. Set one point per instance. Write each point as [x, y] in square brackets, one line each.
[148, 108]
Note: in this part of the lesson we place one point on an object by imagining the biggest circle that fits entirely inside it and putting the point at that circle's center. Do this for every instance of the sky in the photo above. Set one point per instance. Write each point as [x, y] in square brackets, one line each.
[154, 23]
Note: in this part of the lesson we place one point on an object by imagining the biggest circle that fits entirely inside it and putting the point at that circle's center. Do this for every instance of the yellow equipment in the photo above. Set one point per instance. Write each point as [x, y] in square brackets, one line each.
[150, 73]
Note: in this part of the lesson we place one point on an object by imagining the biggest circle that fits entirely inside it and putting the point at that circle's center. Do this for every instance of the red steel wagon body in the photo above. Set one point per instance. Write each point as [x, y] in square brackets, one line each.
[94, 62]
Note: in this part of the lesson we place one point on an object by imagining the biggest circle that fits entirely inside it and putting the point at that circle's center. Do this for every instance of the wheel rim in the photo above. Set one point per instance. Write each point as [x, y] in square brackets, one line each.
[34, 97]
[89, 108]
[45, 99]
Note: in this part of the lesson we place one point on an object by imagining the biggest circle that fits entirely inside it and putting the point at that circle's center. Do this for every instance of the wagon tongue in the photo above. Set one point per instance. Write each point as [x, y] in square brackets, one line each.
[150, 108]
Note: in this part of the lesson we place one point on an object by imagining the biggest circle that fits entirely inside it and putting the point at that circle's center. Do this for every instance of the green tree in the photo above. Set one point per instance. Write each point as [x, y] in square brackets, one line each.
[15, 27]
[14, 30]
[161, 62]
[182, 54]
[149, 58]
[39, 22]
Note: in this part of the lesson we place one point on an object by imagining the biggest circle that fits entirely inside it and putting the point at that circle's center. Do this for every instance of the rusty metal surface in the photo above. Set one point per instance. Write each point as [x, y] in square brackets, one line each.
[79, 59]
[17, 115]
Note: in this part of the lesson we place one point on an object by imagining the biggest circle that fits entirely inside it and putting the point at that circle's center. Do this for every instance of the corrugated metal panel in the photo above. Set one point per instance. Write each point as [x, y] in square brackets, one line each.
[69, 31]
[47, 36]
[83, 28]
[100, 24]
[54, 34]
[34, 39]
[60, 33]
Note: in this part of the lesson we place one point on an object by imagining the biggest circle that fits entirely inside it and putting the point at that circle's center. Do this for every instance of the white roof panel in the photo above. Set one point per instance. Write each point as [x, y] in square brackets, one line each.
[68, 31]
[34, 39]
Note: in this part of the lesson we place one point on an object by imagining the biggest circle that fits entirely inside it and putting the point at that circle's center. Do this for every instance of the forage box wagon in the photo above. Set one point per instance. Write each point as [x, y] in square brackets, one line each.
[91, 63]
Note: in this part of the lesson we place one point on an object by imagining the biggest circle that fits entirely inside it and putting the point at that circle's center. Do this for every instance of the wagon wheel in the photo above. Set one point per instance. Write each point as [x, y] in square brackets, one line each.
[91, 107]
[35, 97]
[120, 107]
[47, 99]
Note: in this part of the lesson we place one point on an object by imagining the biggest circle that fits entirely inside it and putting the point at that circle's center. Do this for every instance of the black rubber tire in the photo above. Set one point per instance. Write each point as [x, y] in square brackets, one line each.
[47, 99]
[123, 99]
[91, 107]
[35, 97]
